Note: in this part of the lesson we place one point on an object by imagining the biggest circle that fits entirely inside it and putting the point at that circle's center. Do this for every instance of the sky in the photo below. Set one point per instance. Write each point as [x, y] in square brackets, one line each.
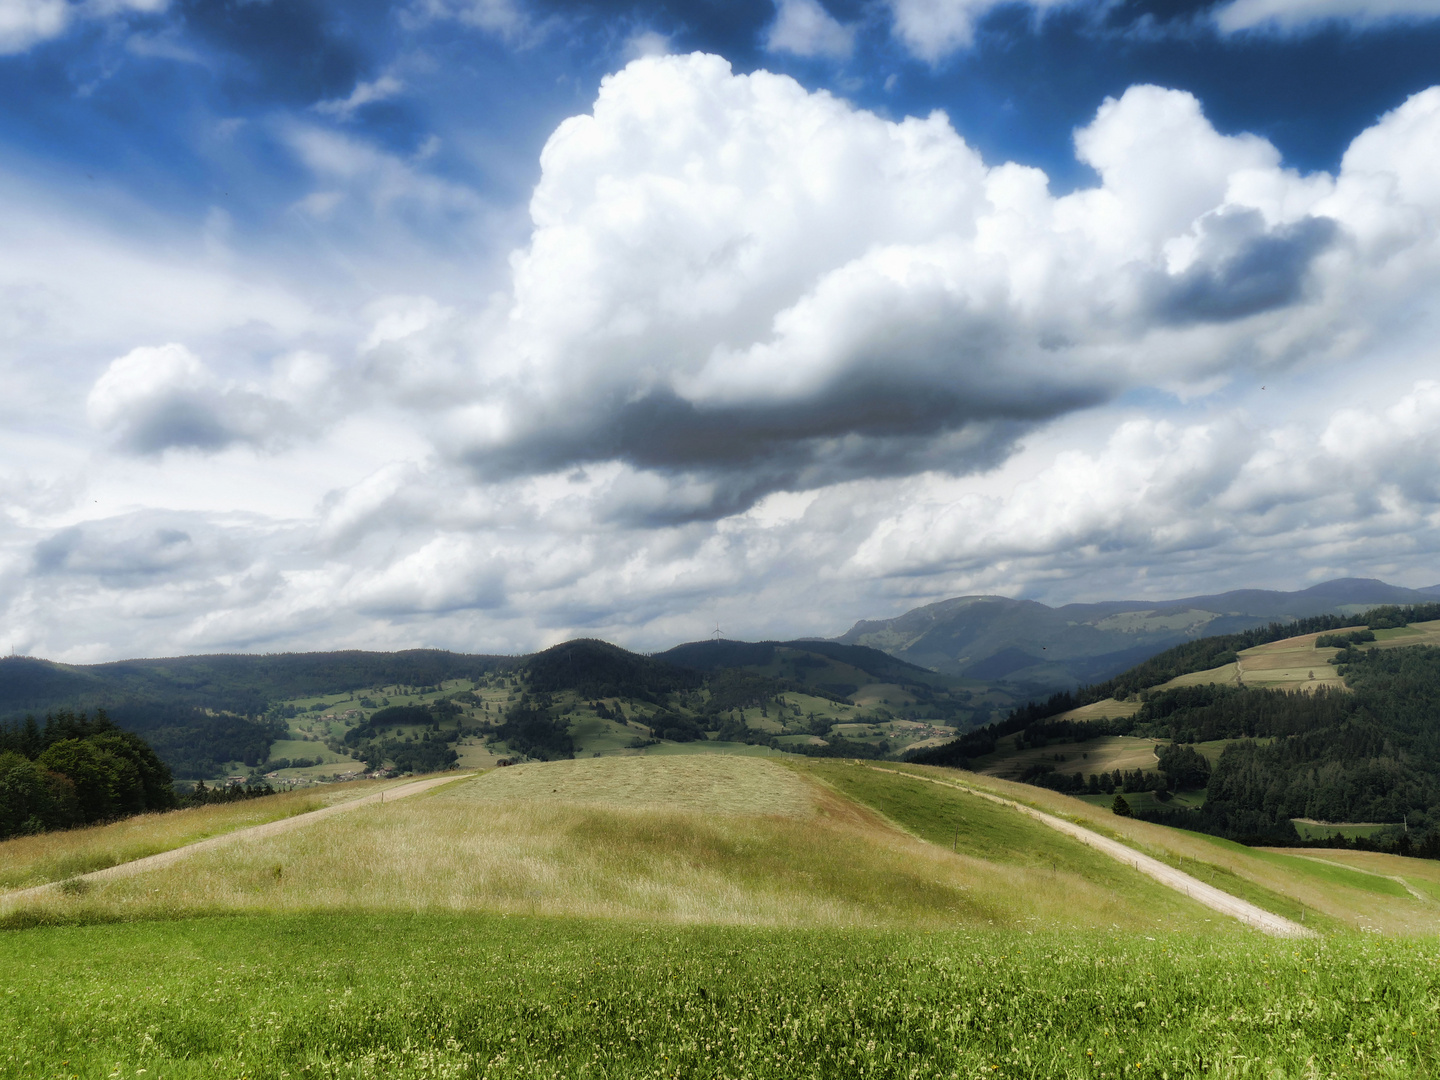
[486, 324]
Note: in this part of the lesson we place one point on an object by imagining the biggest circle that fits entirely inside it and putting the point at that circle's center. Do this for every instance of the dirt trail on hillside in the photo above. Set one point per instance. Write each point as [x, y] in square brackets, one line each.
[1193, 887]
[254, 832]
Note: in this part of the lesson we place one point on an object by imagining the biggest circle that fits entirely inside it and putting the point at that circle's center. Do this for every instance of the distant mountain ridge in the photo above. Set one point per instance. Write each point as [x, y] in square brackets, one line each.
[1032, 645]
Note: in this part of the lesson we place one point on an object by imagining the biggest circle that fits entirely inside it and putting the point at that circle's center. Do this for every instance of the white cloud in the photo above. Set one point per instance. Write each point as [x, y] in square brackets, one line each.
[933, 29]
[1295, 16]
[23, 23]
[762, 358]
[365, 93]
[746, 287]
[805, 28]
[155, 399]
[1191, 499]
[646, 43]
[26, 23]
[505, 19]
[381, 180]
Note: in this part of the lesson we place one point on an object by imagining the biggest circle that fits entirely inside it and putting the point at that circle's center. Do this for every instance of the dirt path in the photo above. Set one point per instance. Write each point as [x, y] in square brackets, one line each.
[1193, 887]
[254, 832]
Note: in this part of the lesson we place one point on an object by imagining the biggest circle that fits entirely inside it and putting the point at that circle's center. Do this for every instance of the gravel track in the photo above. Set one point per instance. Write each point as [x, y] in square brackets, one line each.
[1213, 898]
[254, 832]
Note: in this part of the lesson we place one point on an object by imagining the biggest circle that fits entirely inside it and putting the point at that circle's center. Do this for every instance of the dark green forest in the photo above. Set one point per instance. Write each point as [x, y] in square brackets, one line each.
[76, 770]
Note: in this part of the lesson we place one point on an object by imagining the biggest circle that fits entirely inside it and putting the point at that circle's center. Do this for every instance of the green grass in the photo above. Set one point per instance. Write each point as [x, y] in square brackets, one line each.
[950, 818]
[712, 746]
[26, 861]
[1326, 873]
[1313, 830]
[1214, 873]
[1146, 800]
[465, 996]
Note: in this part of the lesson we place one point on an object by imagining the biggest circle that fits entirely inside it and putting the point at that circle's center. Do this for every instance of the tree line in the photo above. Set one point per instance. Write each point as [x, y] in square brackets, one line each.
[76, 770]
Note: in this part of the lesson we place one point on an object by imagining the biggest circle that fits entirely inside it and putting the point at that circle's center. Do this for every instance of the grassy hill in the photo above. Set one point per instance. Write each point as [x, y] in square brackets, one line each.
[714, 916]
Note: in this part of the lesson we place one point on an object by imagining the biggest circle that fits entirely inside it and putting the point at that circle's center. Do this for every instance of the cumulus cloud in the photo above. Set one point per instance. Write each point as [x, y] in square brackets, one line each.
[154, 399]
[1357, 486]
[763, 359]
[1296, 16]
[414, 554]
[805, 28]
[747, 287]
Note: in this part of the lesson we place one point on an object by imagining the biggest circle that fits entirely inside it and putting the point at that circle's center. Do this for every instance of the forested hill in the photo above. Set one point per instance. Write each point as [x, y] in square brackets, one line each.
[243, 684]
[1368, 753]
[199, 712]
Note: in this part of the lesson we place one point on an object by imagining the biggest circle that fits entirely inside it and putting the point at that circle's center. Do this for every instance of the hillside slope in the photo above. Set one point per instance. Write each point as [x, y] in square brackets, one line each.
[1320, 728]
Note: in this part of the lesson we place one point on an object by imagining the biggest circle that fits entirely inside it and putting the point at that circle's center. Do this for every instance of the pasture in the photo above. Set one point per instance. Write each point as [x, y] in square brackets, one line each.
[1279, 880]
[388, 994]
[1099, 755]
[26, 861]
[717, 916]
[683, 839]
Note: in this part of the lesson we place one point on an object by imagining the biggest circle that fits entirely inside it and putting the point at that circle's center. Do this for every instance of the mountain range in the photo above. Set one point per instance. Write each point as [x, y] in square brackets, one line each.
[1033, 647]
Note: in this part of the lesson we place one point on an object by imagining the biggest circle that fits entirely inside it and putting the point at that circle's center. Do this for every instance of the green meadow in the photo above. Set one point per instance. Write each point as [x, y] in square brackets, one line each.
[431, 995]
[713, 916]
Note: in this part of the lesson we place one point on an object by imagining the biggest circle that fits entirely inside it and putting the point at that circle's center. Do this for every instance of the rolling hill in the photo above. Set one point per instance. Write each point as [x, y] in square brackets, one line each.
[720, 916]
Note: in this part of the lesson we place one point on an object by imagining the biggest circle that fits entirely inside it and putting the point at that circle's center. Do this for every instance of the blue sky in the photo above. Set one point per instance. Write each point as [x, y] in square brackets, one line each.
[482, 323]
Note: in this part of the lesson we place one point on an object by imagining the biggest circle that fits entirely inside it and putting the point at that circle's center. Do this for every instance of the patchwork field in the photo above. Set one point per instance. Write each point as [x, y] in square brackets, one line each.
[1292, 664]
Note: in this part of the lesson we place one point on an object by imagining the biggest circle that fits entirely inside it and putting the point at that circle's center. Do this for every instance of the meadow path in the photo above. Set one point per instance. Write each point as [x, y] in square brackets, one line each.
[254, 832]
[1213, 898]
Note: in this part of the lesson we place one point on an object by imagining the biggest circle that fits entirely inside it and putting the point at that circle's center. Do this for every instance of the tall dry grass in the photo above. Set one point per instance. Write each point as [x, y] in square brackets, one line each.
[833, 864]
[701, 783]
[27, 861]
